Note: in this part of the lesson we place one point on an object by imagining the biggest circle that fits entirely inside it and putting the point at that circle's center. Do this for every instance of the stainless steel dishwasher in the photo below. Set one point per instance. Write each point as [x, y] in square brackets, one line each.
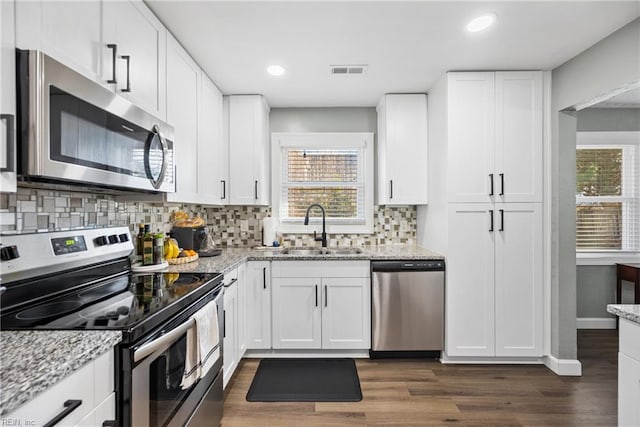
[407, 308]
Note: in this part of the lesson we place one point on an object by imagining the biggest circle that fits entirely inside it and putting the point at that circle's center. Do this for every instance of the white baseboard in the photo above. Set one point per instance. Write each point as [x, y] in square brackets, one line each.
[564, 367]
[268, 354]
[596, 323]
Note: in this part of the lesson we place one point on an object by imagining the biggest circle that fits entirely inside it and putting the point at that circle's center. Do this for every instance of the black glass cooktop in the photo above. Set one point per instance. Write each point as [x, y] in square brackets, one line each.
[133, 303]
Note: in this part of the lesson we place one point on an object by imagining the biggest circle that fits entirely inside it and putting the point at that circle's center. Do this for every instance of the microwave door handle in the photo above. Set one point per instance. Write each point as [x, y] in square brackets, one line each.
[157, 182]
[11, 143]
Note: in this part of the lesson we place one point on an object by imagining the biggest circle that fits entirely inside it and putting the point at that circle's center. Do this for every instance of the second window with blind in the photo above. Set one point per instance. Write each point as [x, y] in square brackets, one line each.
[334, 170]
[608, 191]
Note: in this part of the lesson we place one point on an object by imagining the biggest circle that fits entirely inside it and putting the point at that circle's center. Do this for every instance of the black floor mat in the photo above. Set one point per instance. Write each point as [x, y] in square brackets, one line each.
[305, 380]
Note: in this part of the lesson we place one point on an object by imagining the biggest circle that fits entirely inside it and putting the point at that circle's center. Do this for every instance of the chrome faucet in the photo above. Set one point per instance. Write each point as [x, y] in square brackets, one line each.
[323, 238]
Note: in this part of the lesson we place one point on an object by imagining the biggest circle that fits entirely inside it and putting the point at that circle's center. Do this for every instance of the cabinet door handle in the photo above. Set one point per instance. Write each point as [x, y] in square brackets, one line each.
[128, 59]
[224, 189]
[224, 323]
[491, 181]
[256, 189]
[70, 406]
[11, 143]
[264, 277]
[501, 220]
[114, 55]
[316, 295]
[326, 298]
[491, 220]
[501, 184]
[390, 189]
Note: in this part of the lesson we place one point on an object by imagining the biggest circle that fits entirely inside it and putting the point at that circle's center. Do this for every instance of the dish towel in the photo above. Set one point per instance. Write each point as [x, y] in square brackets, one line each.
[208, 336]
[192, 360]
[203, 348]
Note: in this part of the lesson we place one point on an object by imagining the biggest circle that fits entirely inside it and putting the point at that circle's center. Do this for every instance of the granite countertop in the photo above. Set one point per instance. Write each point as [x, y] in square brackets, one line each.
[232, 257]
[33, 361]
[626, 311]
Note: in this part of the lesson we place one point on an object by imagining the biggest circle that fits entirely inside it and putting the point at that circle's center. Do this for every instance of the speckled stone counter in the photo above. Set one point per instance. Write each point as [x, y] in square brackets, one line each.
[33, 361]
[232, 257]
[626, 311]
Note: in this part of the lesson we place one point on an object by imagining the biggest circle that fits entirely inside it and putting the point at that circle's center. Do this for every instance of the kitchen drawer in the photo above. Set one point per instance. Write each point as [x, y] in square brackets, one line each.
[320, 269]
[230, 276]
[104, 376]
[630, 338]
[45, 406]
[105, 411]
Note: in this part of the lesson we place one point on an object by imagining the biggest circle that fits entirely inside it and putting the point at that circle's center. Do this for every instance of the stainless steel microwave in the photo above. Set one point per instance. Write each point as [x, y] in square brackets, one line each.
[73, 130]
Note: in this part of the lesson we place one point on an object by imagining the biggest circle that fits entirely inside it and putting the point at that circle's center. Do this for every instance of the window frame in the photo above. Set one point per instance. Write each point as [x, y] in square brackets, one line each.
[322, 140]
[610, 139]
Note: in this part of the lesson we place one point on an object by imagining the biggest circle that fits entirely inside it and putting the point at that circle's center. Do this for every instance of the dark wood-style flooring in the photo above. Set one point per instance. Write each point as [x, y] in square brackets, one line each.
[416, 392]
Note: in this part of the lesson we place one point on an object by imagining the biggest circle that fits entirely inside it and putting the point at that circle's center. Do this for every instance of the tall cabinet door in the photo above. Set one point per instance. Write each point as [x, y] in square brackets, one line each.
[258, 308]
[183, 82]
[296, 313]
[230, 336]
[346, 313]
[470, 280]
[471, 112]
[142, 37]
[518, 294]
[212, 149]
[519, 136]
[7, 98]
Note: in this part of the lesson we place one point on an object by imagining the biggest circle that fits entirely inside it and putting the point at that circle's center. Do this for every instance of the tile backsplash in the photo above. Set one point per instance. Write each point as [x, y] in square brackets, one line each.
[31, 210]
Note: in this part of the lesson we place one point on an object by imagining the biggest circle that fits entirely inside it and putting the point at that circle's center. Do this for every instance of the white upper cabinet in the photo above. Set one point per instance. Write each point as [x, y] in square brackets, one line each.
[249, 159]
[7, 98]
[118, 44]
[183, 83]
[141, 48]
[495, 136]
[69, 31]
[213, 150]
[402, 149]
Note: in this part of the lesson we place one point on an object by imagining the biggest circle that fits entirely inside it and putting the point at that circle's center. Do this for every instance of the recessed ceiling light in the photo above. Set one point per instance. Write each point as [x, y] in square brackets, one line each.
[275, 70]
[481, 23]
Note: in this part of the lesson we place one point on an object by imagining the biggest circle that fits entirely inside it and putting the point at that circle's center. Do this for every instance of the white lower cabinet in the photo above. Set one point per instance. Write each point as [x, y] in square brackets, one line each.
[258, 305]
[629, 374]
[230, 355]
[494, 293]
[92, 385]
[313, 308]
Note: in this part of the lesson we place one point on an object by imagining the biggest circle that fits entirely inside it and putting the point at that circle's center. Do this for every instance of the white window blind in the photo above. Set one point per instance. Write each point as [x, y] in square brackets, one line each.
[607, 198]
[331, 177]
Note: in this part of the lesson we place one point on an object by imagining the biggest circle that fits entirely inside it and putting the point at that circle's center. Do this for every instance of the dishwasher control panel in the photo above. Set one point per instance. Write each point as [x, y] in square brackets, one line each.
[408, 265]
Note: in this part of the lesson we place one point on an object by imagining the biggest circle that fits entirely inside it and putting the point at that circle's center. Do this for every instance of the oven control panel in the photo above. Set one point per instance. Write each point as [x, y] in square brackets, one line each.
[68, 245]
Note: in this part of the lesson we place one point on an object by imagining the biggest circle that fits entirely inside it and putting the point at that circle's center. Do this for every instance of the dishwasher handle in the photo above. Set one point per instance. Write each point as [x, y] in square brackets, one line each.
[408, 265]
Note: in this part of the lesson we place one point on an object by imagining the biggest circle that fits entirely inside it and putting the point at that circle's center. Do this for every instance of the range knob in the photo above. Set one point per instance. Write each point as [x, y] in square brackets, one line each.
[123, 237]
[100, 240]
[7, 253]
[113, 239]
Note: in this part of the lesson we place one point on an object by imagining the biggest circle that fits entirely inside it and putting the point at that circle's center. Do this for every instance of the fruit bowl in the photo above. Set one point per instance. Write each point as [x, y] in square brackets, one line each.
[183, 260]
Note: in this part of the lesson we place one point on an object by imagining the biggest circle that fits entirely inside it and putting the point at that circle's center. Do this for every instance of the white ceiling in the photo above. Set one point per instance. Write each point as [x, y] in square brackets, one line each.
[407, 45]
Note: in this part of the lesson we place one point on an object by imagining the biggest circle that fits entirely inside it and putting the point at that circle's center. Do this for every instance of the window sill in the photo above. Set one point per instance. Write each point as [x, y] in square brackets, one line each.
[606, 258]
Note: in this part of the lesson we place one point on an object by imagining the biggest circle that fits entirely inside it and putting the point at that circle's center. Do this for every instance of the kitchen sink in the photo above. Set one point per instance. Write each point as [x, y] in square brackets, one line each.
[321, 251]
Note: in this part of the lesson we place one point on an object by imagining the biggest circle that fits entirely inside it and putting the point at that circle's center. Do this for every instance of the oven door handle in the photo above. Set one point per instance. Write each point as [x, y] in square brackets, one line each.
[150, 347]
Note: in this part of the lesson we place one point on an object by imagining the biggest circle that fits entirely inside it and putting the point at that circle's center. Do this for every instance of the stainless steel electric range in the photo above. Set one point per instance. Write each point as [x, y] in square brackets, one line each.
[82, 280]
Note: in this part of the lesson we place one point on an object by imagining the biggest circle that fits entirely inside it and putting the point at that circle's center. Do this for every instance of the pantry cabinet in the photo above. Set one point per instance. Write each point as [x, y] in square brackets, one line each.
[258, 305]
[402, 150]
[7, 98]
[495, 136]
[494, 280]
[321, 305]
[118, 44]
[249, 153]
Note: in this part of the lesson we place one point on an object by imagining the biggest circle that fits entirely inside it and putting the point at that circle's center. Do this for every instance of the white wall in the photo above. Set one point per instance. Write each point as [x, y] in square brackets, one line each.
[612, 63]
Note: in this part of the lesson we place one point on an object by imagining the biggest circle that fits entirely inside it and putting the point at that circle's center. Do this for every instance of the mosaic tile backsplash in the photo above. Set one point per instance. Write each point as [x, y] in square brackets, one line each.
[31, 210]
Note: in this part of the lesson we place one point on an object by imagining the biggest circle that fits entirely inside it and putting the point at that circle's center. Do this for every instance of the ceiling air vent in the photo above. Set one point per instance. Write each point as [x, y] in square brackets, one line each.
[348, 69]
